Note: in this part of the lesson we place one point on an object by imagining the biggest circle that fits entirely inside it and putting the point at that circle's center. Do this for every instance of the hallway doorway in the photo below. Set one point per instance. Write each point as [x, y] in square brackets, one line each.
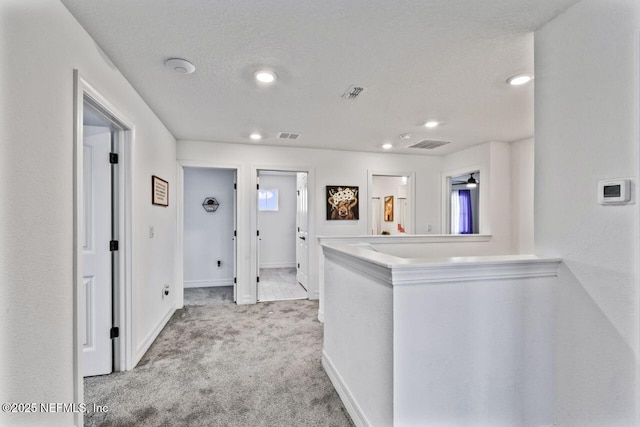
[102, 228]
[209, 229]
[282, 249]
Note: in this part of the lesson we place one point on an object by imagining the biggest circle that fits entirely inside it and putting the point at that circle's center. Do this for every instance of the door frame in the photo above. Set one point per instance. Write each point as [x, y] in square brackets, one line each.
[483, 200]
[238, 264]
[122, 280]
[312, 291]
[411, 193]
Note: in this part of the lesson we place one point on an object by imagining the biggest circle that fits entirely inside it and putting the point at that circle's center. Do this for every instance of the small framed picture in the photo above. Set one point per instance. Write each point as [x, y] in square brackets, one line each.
[159, 191]
[388, 208]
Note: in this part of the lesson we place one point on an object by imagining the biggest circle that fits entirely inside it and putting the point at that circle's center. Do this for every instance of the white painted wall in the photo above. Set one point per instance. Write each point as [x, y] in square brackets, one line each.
[587, 130]
[522, 188]
[208, 237]
[325, 168]
[36, 212]
[278, 228]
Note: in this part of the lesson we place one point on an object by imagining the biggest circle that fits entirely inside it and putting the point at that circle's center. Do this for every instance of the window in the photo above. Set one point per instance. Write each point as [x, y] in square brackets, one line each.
[268, 200]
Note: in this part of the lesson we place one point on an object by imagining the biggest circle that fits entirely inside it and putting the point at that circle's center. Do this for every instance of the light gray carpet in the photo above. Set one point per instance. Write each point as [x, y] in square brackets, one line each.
[220, 364]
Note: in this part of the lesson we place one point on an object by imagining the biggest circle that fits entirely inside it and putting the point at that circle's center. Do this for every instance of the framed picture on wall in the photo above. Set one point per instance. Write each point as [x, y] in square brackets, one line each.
[342, 202]
[388, 208]
[159, 191]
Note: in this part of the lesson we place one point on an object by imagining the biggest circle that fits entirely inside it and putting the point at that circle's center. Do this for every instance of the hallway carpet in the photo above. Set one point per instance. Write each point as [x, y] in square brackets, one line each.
[220, 364]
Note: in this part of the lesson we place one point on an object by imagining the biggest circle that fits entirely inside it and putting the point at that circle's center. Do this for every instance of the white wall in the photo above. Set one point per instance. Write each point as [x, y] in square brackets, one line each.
[325, 168]
[36, 212]
[208, 236]
[522, 188]
[587, 130]
[278, 228]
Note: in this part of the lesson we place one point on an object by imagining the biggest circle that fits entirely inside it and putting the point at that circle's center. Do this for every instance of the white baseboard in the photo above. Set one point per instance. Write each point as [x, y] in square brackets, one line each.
[350, 404]
[151, 337]
[285, 264]
[207, 283]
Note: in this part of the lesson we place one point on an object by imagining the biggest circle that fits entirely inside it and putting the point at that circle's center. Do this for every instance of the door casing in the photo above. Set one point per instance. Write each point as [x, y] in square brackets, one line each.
[124, 228]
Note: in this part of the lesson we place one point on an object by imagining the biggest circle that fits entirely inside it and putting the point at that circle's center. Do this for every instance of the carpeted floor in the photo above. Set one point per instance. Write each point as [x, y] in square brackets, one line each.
[220, 364]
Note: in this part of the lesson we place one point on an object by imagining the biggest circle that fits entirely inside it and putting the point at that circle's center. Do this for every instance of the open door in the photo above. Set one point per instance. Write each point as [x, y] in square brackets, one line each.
[235, 237]
[97, 275]
[302, 226]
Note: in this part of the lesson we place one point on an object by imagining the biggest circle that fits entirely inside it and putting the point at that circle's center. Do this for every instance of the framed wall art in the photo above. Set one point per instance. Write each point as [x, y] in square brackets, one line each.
[159, 191]
[388, 208]
[342, 203]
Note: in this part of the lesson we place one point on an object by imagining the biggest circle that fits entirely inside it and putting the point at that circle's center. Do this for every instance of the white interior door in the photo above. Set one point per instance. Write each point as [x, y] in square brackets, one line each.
[96, 286]
[235, 236]
[302, 224]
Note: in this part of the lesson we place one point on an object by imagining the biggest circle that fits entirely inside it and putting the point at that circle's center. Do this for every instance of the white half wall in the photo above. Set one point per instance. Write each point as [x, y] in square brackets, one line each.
[36, 213]
[208, 236]
[278, 228]
[587, 130]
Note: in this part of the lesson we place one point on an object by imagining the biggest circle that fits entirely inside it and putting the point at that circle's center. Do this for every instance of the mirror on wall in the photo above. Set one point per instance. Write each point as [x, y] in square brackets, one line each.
[464, 203]
[391, 203]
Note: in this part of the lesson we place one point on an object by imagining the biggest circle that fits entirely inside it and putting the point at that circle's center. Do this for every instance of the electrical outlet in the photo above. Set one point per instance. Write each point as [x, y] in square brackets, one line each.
[165, 291]
[428, 228]
[151, 232]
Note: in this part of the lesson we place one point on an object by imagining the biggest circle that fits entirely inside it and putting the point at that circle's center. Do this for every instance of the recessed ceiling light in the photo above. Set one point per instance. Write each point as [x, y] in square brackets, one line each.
[265, 76]
[180, 66]
[432, 124]
[519, 79]
[387, 146]
[255, 136]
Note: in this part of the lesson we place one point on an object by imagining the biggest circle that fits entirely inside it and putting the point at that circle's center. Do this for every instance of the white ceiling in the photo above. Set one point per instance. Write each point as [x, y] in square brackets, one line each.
[417, 59]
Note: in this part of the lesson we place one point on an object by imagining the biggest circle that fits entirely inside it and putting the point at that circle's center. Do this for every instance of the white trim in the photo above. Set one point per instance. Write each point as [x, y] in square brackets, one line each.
[122, 305]
[380, 273]
[208, 283]
[142, 348]
[351, 405]
[281, 264]
[392, 270]
[415, 238]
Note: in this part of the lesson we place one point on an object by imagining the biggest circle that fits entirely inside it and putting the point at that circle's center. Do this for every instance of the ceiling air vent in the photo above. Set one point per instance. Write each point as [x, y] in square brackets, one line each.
[288, 135]
[429, 144]
[353, 92]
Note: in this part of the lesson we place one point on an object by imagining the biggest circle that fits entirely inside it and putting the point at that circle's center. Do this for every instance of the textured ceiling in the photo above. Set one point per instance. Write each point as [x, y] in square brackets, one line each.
[419, 59]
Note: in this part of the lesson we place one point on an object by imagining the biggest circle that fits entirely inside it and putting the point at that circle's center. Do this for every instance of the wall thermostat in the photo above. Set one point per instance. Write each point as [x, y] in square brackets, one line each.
[614, 191]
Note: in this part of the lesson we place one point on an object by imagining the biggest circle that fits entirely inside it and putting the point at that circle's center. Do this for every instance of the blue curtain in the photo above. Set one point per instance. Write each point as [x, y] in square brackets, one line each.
[466, 216]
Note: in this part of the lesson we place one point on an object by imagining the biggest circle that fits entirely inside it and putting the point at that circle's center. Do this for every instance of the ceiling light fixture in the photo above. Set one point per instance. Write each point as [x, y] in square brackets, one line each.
[265, 76]
[432, 124]
[472, 182]
[387, 146]
[180, 66]
[519, 79]
[405, 136]
[255, 136]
